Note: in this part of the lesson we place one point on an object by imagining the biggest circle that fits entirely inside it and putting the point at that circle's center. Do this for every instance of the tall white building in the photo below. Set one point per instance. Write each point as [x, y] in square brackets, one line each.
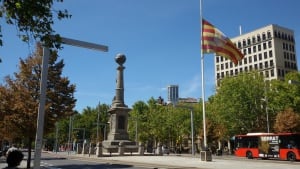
[173, 94]
[270, 50]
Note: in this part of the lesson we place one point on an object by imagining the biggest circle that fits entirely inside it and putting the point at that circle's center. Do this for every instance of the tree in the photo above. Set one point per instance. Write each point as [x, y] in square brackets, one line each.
[283, 95]
[287, 121]
[237, 106]
[21, 112]
[33, 19]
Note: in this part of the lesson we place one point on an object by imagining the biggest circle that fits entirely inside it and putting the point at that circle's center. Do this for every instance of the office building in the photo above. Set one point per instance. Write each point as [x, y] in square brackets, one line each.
[270, 50]
[173, 94]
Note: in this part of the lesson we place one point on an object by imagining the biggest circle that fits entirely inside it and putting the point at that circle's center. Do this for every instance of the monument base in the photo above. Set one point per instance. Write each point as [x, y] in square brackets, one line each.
[114, 146]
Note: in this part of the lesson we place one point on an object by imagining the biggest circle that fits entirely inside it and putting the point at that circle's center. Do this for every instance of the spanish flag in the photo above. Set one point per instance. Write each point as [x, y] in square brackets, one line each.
[214, 41]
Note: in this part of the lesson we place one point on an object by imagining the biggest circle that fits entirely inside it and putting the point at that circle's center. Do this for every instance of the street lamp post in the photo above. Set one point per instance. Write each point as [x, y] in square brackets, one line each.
[56, 137]
[192, 127]
[43, 87]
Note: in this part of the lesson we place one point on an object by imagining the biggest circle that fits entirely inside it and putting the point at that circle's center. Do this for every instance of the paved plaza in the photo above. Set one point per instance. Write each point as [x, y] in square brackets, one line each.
[181, 161]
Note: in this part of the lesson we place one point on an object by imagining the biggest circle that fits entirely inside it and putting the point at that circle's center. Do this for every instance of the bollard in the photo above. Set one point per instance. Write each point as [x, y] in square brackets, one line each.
[99, 150]
[121, 148]
[141, 149]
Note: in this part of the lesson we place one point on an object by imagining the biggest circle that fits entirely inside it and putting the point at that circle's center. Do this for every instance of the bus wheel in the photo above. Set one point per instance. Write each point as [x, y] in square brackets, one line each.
[291, 156]
[249, 155]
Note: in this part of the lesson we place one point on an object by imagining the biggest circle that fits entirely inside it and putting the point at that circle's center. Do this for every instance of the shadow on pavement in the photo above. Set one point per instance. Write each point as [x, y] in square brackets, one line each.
[93, 166]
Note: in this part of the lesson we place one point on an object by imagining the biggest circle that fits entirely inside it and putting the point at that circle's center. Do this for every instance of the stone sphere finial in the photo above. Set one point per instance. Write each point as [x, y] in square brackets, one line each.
[120, 59]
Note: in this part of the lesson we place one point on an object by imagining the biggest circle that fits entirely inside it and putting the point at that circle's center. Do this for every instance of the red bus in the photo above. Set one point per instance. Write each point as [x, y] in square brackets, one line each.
[284, 146]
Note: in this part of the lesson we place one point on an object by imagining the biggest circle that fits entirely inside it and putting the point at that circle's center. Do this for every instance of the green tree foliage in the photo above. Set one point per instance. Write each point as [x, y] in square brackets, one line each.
[237, 105]
[21, 110]
[162, 123]
[33, 19]
[283, 95]
[87, 122]
[287, 121]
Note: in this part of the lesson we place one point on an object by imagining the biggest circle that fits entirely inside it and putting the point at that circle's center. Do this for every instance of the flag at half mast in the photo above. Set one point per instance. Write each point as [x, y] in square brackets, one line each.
[214, 41]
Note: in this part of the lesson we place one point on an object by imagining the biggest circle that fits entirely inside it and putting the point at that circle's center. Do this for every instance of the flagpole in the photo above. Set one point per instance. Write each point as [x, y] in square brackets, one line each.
[202, 80]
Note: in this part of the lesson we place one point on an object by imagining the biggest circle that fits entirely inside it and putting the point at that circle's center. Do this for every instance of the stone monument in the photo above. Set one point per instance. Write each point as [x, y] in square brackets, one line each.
[118, 139]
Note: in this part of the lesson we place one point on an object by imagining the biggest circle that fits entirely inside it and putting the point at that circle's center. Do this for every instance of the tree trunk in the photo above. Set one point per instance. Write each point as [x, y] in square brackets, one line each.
[29, 152]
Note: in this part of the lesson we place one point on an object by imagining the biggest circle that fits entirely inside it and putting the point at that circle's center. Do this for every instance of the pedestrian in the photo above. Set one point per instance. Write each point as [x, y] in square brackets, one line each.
[12, 148]
[14, 159]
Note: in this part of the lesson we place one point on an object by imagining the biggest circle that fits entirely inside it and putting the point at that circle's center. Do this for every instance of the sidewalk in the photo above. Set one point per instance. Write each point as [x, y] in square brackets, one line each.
[180, 161]
[186, 161]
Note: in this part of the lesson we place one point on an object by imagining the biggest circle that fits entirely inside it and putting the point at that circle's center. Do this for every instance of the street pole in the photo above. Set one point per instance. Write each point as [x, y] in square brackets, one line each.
[56, 137]
[98, 122]
[69, 139]
[192, 132]
[41, 109]
[43, 87]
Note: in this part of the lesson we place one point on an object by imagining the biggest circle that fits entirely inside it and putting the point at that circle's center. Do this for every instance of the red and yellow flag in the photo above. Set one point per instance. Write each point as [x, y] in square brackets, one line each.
[214, 41]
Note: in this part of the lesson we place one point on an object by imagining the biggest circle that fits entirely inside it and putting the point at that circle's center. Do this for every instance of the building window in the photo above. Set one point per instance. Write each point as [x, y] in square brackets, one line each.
[272, 73]
[230, 63]
[253, 39]
[267, 74]
[258, 38]
[249, 50]
[244, 43]
[254, 49]
[270, 53]
[250, 59]
[226, 65]
[239, 44]
[245, 51]
[255, 66]
[255, 58]
[269, 44]
[283, 45]
[248, 41]
[264, 46]
[269, 34]
[265, 55]
[266, 64]
[260, 65]
[259, 47]
[259, 56]
[250, 67]
[245, 60]
[217, 59]
[271, 63]
[263, 36]
[222, 67]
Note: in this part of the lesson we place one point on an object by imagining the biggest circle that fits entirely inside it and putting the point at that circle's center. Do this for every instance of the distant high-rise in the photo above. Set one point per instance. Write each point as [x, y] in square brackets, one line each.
[173, 94]
[270, 50]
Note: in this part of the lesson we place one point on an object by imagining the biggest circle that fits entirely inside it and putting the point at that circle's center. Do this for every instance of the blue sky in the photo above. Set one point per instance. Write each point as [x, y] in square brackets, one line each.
[160, 38]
